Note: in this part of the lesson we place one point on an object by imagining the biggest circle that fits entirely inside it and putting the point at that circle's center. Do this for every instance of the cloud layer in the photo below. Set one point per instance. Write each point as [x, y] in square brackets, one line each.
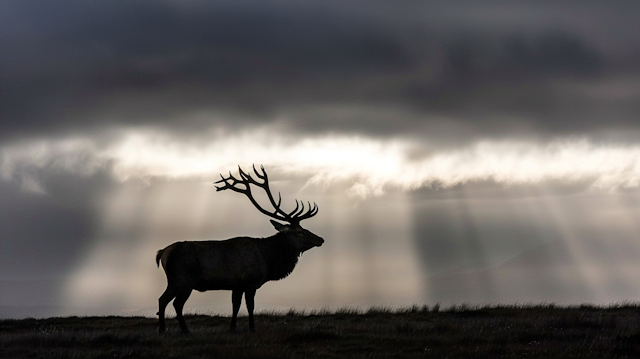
[499, 67]
[366, 165]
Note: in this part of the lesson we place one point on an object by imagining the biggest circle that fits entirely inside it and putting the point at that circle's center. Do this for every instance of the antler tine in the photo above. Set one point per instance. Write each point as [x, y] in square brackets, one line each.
[295, 210]
[224, 179]
[235, 181]
[246, 177]
[230, 183]
[241, 173]
[310, 209]
[262, 176]
[218, 181]
[301, 210]
[310, 213]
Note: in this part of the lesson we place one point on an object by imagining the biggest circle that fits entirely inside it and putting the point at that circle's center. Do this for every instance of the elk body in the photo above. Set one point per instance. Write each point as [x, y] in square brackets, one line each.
[241, 264]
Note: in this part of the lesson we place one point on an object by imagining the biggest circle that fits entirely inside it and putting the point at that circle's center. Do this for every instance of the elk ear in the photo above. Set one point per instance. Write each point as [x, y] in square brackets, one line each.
[279, 226]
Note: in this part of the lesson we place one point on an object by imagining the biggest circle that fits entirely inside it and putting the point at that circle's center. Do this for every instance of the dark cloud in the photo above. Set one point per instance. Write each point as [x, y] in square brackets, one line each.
[77, 65]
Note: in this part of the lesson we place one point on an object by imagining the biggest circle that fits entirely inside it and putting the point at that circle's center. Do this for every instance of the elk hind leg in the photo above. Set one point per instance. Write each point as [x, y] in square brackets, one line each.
[163, 301]
[236, 300]
[178, 304]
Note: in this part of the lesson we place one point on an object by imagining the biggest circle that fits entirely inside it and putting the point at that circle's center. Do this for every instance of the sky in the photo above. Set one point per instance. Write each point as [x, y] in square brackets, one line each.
[459, 151]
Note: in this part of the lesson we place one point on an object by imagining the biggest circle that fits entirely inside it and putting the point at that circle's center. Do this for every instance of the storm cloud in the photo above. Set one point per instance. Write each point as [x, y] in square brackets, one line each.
[498, 69]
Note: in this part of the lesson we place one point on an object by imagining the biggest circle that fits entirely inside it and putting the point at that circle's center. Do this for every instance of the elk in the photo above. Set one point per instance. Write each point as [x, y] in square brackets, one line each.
[240, 264]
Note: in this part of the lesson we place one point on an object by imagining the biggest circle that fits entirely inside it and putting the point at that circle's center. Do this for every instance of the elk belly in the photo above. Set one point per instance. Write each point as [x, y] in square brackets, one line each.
[204, 284]
[244, 279]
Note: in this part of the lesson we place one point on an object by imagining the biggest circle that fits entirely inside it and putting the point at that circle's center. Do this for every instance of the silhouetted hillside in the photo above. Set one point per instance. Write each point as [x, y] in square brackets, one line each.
[544, 331]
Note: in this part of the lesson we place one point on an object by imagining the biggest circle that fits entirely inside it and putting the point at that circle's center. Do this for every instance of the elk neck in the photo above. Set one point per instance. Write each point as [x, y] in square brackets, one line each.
[280, 255]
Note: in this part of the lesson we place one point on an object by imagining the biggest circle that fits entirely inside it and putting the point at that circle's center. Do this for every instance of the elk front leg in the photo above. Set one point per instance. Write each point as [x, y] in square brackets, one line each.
[249, 296]
[236, 300]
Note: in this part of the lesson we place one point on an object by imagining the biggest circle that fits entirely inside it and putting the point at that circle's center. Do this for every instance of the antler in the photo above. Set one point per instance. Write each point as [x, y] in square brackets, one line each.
[293, 217]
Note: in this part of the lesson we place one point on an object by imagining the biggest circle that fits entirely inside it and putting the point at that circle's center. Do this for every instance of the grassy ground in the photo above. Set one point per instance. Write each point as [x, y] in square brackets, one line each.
[543, 331]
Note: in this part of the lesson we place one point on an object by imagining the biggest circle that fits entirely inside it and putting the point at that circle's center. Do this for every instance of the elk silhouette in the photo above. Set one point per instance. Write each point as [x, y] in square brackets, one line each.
[240, 264]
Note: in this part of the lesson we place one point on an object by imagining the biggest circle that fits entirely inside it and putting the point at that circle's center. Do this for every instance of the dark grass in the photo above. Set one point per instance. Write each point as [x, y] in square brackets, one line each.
[524, 331]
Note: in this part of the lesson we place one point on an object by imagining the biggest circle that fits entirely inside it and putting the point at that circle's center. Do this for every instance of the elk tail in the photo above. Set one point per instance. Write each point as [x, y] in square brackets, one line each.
[158, 256]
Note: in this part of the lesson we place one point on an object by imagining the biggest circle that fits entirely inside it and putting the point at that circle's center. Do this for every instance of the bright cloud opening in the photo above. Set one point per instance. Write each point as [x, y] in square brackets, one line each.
[369, 166]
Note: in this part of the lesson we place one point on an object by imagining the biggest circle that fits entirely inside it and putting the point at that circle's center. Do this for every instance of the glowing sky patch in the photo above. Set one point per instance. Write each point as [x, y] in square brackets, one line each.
[368, 166]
